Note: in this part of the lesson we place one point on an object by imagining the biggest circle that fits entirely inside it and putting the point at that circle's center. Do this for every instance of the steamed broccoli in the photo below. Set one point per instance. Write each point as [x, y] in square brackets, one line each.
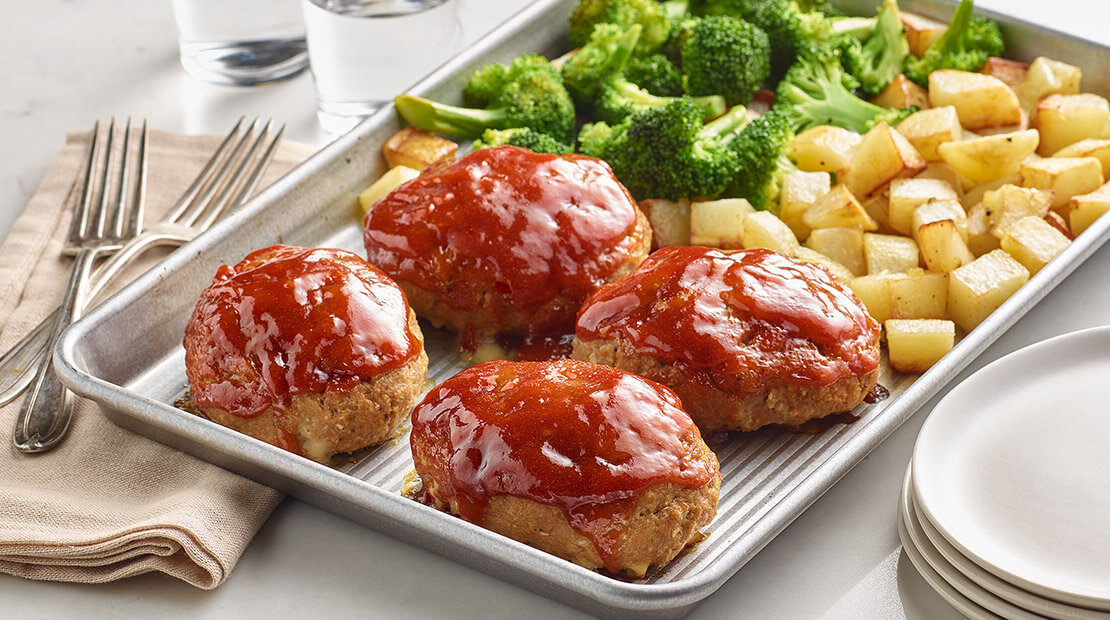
[791, 31]
[966, 44]
[618, 97]
[726, 56]
[878, 58]
[668, 152]
[525, 137]
[818, 91]
[529, 92]
[761, 159]
[656, 74]
[648, 14]
[605, 53]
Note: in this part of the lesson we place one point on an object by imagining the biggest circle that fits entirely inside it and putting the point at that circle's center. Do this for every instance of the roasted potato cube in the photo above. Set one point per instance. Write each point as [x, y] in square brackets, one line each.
[764, 229]
[843, 245]
[812, 256]
[670, 221]
[1099, 148]
[719, 223]
[1065, 176]
[1087, 208]
[882, 155]
[979, 237]
[919, 294]
[1060, 223]
[800, 189]
[878, 207]
[417, 149]
[385, 184]
[874, 291]
[836, 208]
[986, 158]
[937, 210]
[906, 195]
[1048, 77]
[980, 100]
[1012, 72]
[921, 31]
[889, 253]
[981, 286]
[823, 148]
[902, 93]
[942, 246]
[927, 129]
[914, 345]
[1010, 203]
[1067, 119]
[1033, 242]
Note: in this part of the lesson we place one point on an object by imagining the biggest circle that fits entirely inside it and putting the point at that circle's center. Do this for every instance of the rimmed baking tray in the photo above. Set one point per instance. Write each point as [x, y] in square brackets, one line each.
[127, 354]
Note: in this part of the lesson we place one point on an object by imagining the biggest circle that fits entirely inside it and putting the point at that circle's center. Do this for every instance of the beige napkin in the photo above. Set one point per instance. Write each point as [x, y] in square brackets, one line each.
[107, 503]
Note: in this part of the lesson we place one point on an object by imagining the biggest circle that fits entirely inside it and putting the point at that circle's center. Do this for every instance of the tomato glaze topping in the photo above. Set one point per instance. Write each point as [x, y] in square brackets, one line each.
[584, 437]
[304, 320]
[738, 319]
[507, 231]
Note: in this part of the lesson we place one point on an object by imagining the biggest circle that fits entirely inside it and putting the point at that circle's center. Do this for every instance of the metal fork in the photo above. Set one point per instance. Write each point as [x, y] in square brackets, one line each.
[99, 225]
[225, 182]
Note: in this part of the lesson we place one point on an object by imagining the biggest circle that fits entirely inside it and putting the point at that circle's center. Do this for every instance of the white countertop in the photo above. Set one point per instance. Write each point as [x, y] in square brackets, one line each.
[66, 64]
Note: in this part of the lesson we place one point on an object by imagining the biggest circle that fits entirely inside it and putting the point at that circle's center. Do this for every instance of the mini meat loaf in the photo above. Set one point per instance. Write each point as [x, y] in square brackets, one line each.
[744, 338]
[507, 242]
[312, 350]
[587, 462]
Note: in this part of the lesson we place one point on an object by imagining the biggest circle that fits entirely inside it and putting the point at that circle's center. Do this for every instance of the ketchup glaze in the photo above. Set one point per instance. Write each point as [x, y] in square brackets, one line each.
[583, 437]
[288, 320]
[520, 237]
[737, 320]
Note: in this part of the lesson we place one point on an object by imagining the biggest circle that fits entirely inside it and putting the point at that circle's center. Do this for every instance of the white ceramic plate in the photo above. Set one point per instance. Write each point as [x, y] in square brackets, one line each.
[1013, 468]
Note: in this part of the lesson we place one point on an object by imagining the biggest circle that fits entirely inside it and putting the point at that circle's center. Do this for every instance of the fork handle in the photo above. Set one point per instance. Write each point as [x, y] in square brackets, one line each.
[46, 411]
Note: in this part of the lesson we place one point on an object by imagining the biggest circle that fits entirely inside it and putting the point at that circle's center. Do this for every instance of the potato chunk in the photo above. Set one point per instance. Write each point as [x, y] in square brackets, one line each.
[1067, 119]
[914, 345]
[764, 229]
[906, 195]
[800, 190]
[837, 208]
[385, 184]
[882, 155]
[416, 149]
[889, 253]
[1033, 242]
[1010, 203]
[981, 286]
[842, 244]
[980, 100]
[1045, 77]
[902, 92]
[1087, 208]
[823, 148]
[1065, 176]
[670, 221]
[719, 223]
[986, 158]
[927, 129]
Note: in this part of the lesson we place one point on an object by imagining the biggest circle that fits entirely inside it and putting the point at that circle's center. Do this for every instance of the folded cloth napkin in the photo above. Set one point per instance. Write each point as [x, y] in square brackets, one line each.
[107, 503]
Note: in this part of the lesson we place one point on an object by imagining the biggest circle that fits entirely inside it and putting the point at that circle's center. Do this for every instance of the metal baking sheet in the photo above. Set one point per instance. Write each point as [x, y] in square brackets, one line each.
[127, 354]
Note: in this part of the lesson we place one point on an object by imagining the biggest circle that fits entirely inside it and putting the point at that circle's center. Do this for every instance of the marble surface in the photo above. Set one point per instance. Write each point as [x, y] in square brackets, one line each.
[68, 63]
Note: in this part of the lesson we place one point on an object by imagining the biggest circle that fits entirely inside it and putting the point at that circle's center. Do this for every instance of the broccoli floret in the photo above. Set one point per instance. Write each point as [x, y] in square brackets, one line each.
[726, 56]
[656, 74]
[818, 91]
[527, 93]
[648, 14]
[524, 137]
[791, 31]
[761, 159]
[618, 97]
[966, 44]
[606, 53]
[668, 152]
[878, 58]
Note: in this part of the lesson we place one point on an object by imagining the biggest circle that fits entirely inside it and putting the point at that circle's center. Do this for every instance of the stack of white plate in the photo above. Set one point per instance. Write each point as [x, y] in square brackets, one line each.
[1005, 509]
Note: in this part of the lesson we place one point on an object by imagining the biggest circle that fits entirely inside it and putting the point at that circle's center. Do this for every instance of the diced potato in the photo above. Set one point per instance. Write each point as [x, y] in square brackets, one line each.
[1010, 203]
[823, 148]
[986, 158]
[843, 245]
[1060, 223]
[902, 92]
[837, 208]
[980, 100]
[921, 31]
[1067, 119]
[385, 184]
[417, 149]
[882, 155]
[1012, 72]
[764, 229]
[807, 255]
[979, 237]
[1048, 77]
[976, 193]
[1065, 176]
[1033, 242]
[914, 345]
[670, 221]
[878, 207]
[1099, 148]
[942, 247]
[919, 294]
[942, 171]
[937, 210]
[981, 286]
[874, 291]
[800, 189]
[889, 253]
[1087, 208]
[927, 129]
[719, 223]
[906, 195]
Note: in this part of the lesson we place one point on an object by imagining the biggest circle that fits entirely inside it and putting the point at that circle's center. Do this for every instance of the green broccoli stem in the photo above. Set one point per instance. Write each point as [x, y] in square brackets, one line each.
[954, 36]
[841, 108]
[726, 127]
[638, 98]
[454, 121]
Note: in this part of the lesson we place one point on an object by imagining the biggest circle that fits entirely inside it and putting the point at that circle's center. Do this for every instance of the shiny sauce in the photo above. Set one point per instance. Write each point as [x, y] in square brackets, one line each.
[305, 321]
[737, 320]
[584, 437]
[506, 230]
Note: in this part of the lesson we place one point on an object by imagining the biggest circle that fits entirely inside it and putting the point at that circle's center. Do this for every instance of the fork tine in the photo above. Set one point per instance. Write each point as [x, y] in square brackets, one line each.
[134, 223]
[219, 180]
[99, 217]
[229, 197]
[114, 228]
[84, 207]
[247, 188]
[204, 177]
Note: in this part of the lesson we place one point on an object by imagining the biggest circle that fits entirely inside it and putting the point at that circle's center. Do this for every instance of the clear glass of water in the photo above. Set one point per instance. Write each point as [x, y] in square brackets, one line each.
[362, 53]
[241, 42]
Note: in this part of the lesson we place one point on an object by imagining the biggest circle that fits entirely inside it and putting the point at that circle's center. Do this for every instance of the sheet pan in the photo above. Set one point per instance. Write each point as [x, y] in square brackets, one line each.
[127, 354]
